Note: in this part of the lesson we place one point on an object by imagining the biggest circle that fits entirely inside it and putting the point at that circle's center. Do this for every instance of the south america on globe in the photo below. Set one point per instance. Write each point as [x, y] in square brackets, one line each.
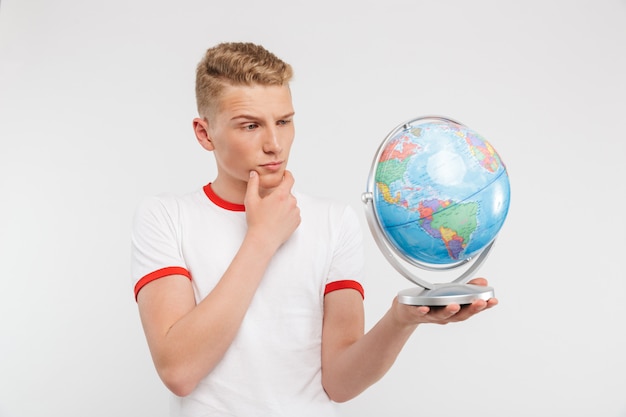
[441, 192]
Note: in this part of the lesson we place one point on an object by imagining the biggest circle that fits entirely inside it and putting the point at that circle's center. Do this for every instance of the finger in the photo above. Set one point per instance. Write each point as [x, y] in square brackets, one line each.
[444, 314]
[452, 310]
[479, 281]
[492, 302]
[470, 310]
[423, 310]
[477, 306]
[252, 191]
[288, 180]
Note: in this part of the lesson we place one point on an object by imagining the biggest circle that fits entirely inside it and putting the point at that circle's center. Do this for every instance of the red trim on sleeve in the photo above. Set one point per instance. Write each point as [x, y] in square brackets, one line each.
[160, 273]
[341, 285]
[220, 202]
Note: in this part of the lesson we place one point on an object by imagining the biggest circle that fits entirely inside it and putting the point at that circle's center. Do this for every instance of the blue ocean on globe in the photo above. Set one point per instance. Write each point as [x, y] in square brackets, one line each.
[441, 192]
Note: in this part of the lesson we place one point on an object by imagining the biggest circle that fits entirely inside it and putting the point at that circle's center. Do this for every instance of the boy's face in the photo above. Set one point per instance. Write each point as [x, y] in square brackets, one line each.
[252, 129]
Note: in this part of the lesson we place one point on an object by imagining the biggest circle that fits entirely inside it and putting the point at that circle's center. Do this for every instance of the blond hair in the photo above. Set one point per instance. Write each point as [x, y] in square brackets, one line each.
[236, 64]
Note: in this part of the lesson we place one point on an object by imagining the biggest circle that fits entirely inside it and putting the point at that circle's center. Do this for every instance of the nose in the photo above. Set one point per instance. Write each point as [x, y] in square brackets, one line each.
[271, 141]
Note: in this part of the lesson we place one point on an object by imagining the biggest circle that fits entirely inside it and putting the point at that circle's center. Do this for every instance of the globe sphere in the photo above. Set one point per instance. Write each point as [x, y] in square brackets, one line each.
[441, 192]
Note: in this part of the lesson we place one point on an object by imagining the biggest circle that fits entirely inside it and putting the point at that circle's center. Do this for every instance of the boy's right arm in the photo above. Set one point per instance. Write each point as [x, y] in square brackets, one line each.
[187, 340]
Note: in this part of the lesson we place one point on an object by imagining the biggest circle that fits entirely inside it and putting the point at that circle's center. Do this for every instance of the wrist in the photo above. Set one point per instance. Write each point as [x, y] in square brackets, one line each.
[403, 317]
[260, 244]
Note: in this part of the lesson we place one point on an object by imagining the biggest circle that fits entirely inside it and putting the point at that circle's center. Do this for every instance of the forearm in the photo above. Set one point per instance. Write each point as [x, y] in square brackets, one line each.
[364, 362]
[351, 361]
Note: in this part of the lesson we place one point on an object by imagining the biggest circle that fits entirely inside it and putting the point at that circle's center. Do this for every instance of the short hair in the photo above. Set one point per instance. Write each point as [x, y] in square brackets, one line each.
[236, 63]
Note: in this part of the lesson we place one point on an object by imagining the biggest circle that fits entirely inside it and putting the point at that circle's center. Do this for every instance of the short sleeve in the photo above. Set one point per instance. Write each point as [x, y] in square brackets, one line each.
[348, 256]
[155, 242]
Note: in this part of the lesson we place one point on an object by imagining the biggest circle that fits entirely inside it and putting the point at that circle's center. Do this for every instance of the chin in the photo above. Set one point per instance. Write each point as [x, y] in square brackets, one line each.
[269, 181]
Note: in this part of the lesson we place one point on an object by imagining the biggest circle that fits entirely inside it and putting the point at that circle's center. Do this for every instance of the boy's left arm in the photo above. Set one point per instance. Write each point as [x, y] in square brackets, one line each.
[351, 360]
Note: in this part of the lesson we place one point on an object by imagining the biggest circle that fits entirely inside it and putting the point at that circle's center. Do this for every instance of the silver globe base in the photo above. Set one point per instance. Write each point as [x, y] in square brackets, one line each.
[445, 294]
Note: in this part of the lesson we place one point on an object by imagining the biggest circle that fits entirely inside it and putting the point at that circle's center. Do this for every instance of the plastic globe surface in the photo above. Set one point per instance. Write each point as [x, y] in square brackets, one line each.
[441, 192]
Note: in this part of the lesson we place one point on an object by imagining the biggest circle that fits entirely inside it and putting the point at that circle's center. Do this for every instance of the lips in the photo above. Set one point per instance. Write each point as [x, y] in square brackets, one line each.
[273, 166]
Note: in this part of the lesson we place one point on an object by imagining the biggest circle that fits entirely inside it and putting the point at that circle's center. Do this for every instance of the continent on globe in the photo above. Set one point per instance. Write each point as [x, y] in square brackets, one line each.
[482, 151]
[454, 224]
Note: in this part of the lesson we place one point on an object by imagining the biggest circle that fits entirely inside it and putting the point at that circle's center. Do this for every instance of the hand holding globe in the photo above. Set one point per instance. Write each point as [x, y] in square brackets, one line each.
[437, 196]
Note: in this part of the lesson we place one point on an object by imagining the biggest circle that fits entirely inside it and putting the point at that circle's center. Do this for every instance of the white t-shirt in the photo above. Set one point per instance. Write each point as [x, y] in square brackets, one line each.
[273, 367]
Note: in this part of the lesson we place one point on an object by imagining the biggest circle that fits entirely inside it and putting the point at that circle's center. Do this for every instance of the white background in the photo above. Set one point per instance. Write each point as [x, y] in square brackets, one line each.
[96, 103]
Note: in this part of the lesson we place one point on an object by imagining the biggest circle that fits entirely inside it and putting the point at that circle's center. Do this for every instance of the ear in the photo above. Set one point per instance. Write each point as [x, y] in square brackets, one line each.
[201, 129]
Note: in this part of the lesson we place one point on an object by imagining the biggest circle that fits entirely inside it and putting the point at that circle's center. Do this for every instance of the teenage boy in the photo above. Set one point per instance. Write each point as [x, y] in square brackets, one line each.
[249, 291]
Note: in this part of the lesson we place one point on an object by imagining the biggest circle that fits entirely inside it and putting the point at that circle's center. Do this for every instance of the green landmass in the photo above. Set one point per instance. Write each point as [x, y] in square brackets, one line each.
[391, 170]
[459, 217]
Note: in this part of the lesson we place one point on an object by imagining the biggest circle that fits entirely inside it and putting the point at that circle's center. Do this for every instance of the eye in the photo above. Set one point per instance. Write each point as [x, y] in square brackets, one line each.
[250, 126]
[283, 122]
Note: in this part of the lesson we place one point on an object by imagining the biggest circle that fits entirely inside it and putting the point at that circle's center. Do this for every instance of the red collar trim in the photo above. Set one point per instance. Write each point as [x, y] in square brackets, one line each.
[221, 203]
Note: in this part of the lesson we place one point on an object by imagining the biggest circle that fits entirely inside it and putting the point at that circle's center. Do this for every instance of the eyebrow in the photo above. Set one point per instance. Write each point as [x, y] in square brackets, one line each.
[244, 116]
[251, 117]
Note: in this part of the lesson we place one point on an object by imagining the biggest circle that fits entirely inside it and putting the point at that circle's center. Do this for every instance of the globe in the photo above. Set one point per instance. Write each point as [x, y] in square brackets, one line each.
[439, 192]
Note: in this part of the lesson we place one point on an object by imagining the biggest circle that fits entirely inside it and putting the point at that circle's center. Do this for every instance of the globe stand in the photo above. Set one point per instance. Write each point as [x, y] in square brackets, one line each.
[445, 294]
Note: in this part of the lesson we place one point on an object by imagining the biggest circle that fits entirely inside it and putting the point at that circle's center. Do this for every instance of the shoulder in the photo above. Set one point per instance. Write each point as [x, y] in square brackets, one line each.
[169, 200]
[322, 205]
[165, 205]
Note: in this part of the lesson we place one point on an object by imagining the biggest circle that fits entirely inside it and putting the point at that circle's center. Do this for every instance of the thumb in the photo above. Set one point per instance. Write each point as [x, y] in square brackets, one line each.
[252, 192]
[288, 180]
